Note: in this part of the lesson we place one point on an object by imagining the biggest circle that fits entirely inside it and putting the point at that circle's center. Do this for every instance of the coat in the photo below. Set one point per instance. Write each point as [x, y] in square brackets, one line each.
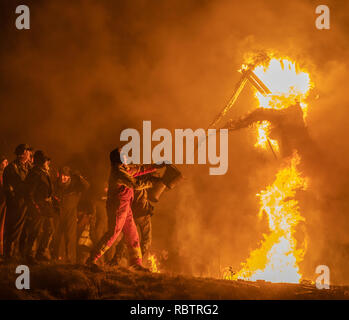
[39, 192]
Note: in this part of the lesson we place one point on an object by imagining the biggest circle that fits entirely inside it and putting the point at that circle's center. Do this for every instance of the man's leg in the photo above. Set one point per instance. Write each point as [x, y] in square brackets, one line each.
[46, 233]
[119, 252]
[58, 237]
[14, 222]
[34, 225]
[70, 238]
[116, 221]
[145, 228]
[132, 240]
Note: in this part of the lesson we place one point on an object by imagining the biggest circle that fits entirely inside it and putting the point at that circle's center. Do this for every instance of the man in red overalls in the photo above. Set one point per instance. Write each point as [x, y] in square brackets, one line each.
[122, 181]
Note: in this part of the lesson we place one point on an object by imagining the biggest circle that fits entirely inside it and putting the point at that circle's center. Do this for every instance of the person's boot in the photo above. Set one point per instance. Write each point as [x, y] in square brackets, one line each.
[136, 260]
[91, 262]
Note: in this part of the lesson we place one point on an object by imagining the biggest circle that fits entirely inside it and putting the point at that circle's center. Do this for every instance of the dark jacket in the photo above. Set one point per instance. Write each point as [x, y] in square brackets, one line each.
[13, 181]
[68, 195]
[39, 192]
[141, 205]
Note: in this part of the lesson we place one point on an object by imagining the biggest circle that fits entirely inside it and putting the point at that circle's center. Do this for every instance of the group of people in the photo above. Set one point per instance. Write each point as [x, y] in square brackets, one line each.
[60, 217]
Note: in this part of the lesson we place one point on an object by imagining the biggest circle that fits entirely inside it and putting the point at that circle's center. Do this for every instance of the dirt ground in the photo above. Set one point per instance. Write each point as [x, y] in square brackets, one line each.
[79, 282]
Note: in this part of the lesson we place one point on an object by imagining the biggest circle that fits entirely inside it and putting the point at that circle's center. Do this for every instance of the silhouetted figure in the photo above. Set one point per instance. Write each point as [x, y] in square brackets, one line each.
[68, 190]
[41, 209]
[122, 181]
[14, 188]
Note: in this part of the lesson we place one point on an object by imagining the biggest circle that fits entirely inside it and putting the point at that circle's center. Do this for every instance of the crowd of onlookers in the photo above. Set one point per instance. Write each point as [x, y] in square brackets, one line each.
[55, 215]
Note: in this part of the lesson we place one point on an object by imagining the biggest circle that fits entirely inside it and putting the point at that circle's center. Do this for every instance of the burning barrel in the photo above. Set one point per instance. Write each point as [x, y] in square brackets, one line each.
[170, 179]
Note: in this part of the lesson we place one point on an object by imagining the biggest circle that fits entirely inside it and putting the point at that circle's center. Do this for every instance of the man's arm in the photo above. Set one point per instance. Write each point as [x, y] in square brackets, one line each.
[144, 182]
[139, 170]
[130, 179]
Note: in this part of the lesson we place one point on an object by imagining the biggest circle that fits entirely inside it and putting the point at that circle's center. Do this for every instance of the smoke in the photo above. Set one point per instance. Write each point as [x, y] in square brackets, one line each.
[88, 69]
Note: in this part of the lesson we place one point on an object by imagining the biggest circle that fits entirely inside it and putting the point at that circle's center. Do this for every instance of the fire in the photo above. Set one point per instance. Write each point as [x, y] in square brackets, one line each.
[288, 84]
[278, 256]
[153, 264]
[263, 130]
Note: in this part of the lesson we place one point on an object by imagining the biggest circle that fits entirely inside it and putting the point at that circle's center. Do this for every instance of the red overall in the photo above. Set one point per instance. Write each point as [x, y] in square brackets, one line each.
[120, 216]
[2, 224]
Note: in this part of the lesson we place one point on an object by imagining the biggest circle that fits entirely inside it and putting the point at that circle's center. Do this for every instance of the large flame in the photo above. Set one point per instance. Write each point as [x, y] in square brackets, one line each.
[278, 256]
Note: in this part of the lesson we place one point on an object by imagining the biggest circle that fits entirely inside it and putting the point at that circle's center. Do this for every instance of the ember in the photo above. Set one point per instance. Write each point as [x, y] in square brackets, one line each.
[154, 264]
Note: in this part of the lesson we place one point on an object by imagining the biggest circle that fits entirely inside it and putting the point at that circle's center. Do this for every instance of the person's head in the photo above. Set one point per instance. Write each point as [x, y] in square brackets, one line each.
[65, 175]
[23, 152]
[3, 162]
[117, 157]
[41, 160]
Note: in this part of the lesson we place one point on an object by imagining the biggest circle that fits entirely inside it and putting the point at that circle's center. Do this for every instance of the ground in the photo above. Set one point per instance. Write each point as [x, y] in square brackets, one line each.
[79, 282]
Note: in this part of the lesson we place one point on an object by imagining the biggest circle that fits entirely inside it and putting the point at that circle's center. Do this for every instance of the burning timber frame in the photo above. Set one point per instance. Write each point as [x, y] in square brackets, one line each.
[247, 75]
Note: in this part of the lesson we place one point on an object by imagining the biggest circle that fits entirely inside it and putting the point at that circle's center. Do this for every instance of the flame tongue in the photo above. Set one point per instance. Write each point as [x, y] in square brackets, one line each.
[153, 264]
[278, 257]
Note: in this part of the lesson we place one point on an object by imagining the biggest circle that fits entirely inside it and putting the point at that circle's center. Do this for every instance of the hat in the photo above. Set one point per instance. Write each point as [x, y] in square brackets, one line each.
[40, 157]
[21, 148]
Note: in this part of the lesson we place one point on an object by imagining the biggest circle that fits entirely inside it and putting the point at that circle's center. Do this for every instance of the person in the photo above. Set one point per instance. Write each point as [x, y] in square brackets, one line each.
[123, 180]
[68, 190]
[3, 165]
[14, 176]
[41, 209]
